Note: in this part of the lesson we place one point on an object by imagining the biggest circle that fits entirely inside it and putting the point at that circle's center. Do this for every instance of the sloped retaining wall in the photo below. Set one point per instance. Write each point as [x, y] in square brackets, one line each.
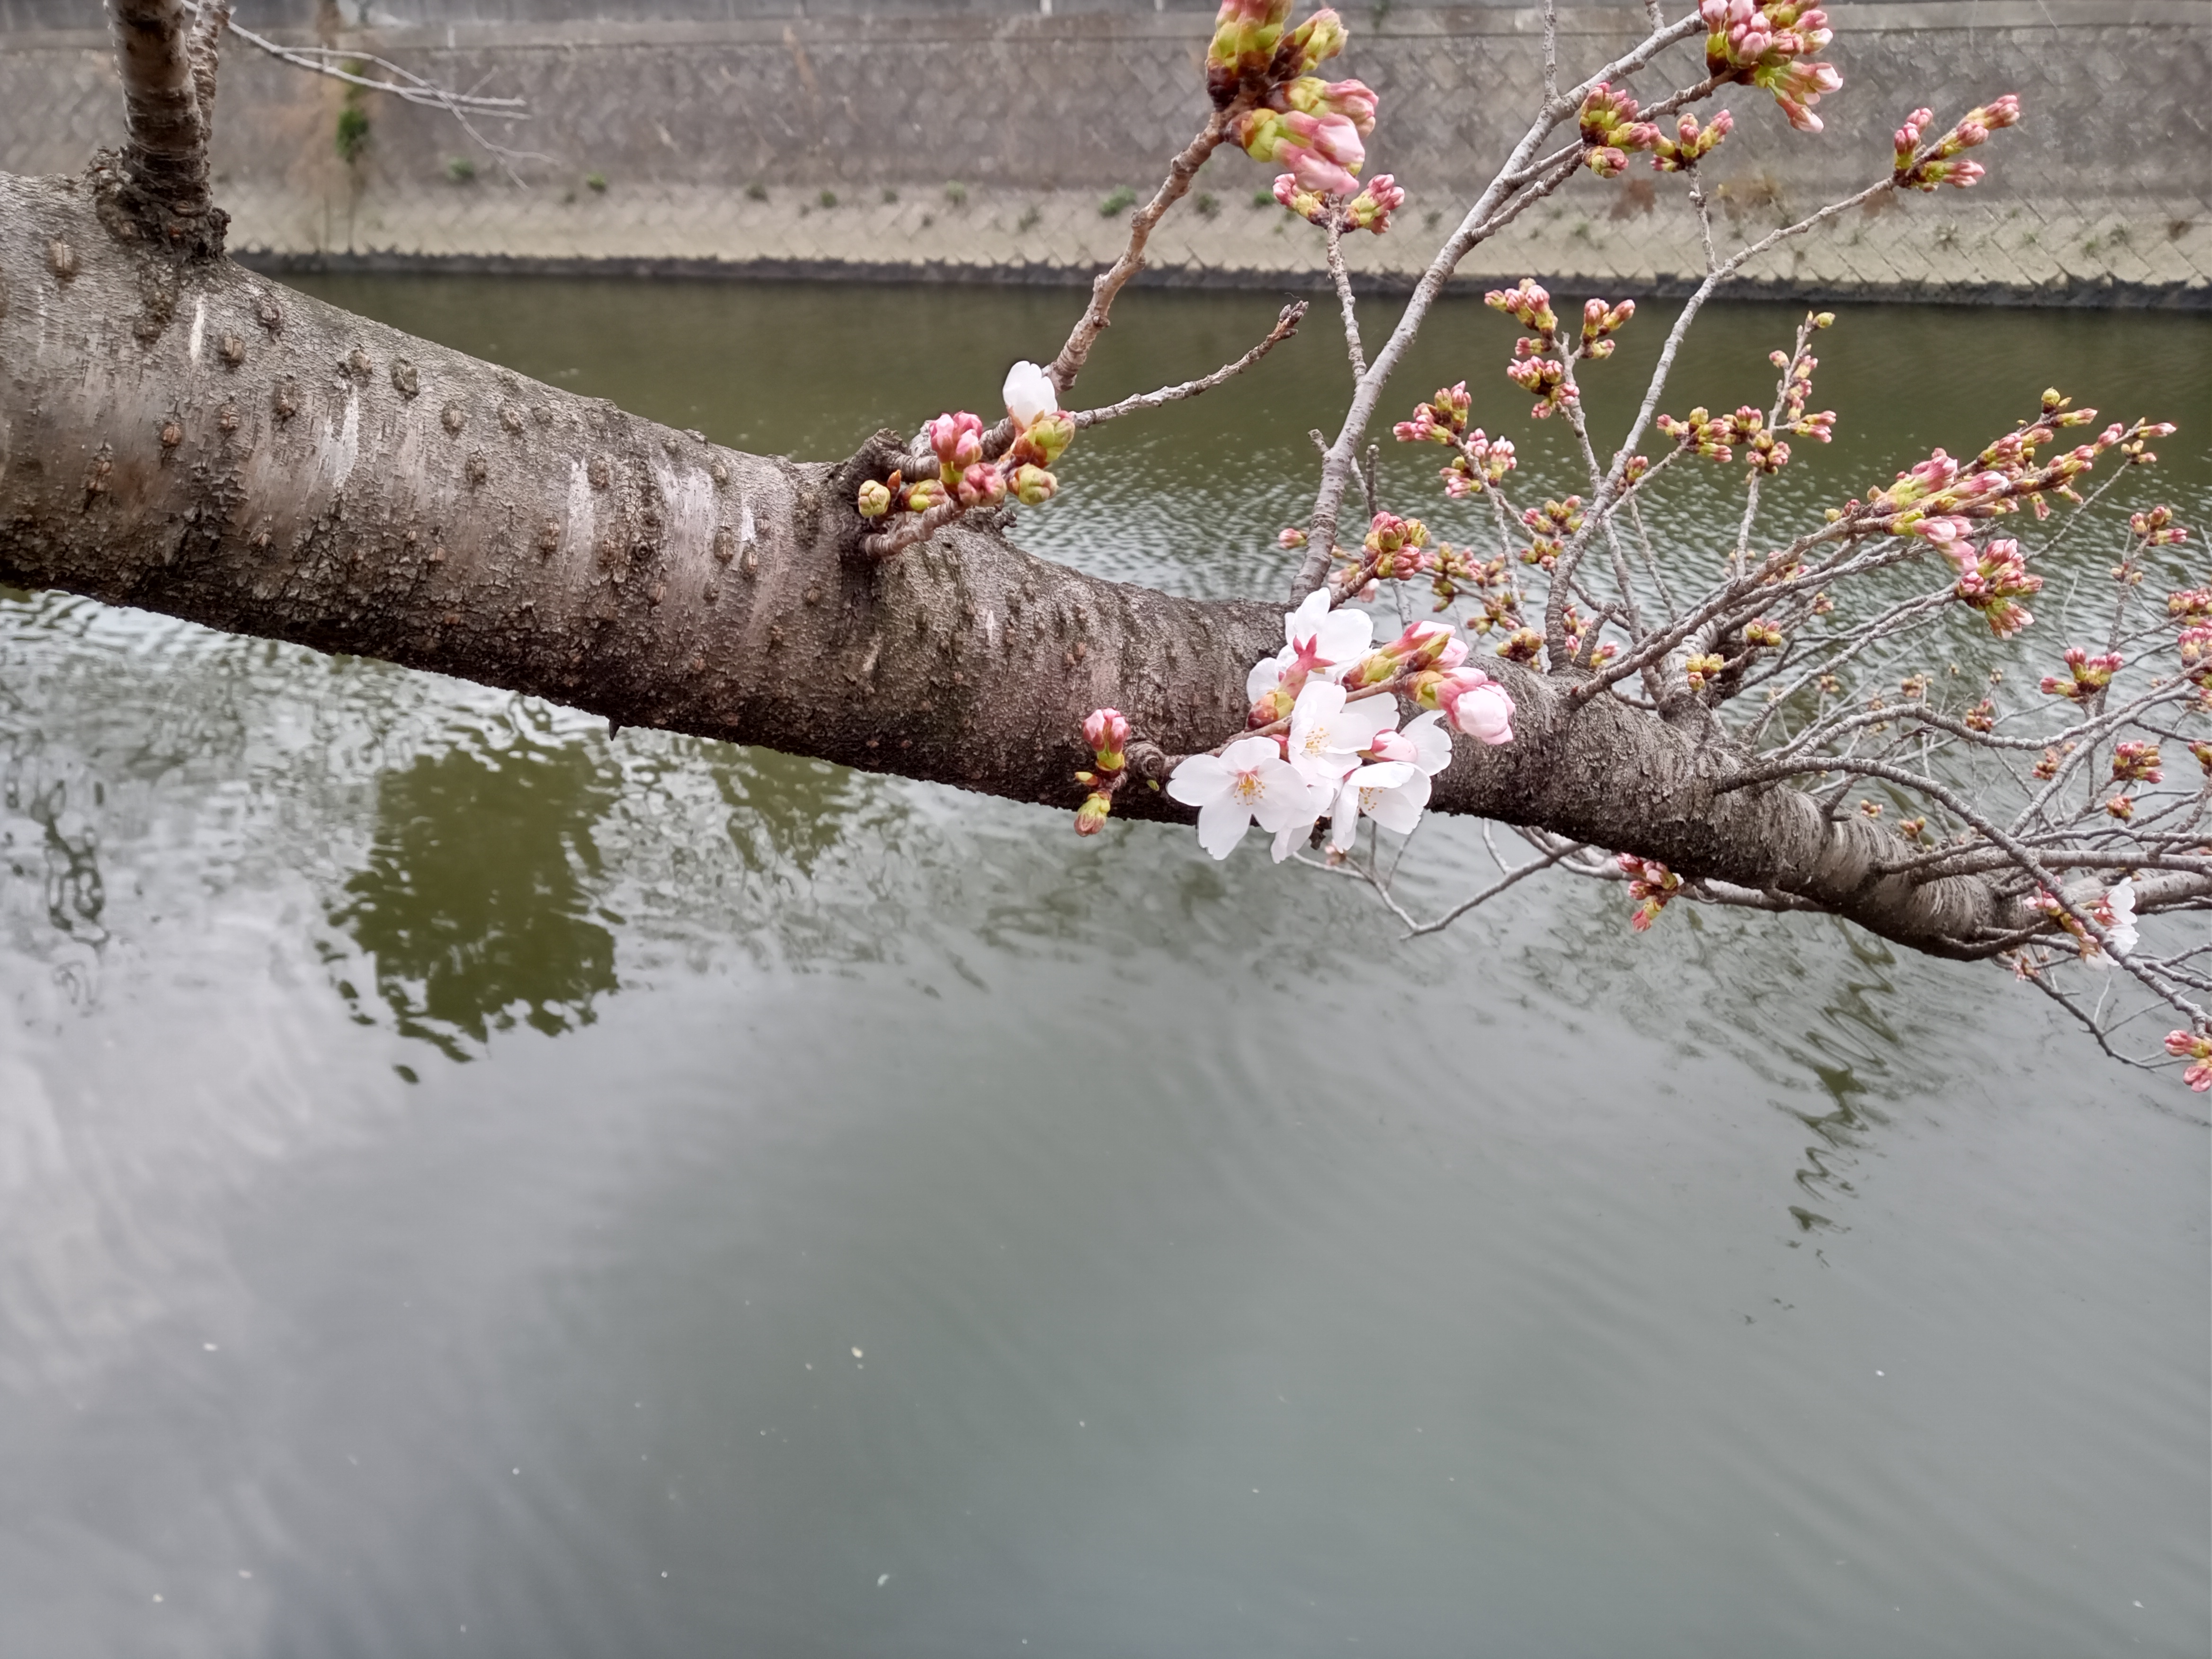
[961, 145]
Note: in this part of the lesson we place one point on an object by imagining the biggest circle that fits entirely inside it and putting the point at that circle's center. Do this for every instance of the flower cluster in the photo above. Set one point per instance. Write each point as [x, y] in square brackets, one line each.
[1765, 43]
[1938, 499]
[1252, 53]
[2197, 1047]
[1691, 144]
[1715, 436]
[1041, 432]
[2156, 528]
[1600, 322]
[2137, 763]
[1650, 884]
[1989, 581]
[1936, 165]
[1611, 131]
[2087, 675]
[1369, 211]
[2115, 913]
[1329, 745]
[1106, 732]
[1537, 367]
[2196, 657]
[1479, 462]
[1550, 527]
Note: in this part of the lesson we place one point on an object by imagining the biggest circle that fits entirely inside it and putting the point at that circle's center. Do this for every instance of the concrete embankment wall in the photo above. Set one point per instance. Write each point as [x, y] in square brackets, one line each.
[982, 142]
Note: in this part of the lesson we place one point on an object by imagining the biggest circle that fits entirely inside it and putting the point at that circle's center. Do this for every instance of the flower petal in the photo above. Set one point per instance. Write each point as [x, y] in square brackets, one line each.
[1302, 622]
[1431, 741]
[1266, 674]
[1345, 636]
[1247, 753]
[1221, 825]
[1199, 781]
[1286, 841]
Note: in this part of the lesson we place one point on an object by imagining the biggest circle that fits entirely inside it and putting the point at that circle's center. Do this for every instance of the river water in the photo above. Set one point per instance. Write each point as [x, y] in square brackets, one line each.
[470, 1186]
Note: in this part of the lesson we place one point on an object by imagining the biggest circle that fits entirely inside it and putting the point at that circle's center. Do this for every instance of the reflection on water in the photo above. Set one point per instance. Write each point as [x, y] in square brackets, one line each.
[478, 893]
[1227, 1276]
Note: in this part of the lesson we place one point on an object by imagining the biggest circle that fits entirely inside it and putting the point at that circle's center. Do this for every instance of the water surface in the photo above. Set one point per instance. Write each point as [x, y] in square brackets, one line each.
[469, 1186]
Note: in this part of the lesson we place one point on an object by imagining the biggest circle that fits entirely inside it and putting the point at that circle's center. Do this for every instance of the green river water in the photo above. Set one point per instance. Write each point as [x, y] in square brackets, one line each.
[469, 1186]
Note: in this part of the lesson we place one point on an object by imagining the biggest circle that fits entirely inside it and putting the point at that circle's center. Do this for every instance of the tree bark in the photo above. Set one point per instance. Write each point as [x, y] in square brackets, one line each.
[182, 436]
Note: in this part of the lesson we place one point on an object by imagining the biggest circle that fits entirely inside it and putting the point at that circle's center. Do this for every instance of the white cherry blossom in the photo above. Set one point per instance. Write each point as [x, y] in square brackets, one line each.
[2120, 932]
[1323, 638]
[1328, 732]
[1248, 779]
[1029, 394]
[1392, 793]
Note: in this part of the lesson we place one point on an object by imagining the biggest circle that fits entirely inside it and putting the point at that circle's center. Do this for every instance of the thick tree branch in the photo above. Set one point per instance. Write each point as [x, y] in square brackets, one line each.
[249, 458]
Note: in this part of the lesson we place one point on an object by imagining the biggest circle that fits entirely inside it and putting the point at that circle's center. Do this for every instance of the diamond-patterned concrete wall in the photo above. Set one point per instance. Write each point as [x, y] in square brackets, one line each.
[723, 146]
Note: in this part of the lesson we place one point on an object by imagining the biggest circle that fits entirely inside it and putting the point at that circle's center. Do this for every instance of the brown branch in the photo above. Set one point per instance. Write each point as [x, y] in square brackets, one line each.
[164, 154]
[913, 528]
[1111, 281]
[1286, 324]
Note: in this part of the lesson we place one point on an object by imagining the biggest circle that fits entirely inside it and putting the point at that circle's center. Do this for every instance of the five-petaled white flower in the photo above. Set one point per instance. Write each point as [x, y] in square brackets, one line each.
[1248, 779]
[1382, 791]
[2120, 930]
[1328, 733]
[1029, 394]
[1394, 791]
[1318, 637]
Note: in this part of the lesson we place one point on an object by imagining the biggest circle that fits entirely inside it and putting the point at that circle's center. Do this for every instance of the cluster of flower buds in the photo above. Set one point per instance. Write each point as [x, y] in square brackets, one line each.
[1611, 131]
[1442, 420]
[1765, 43]
[2195, 1045]
[2196, 659]
[1918, 168]
[1550, 526]
[1991, 580]
[2202, 751]
[1691, 143]
[1600, 322]
[1577, 625]
[1650, 884]
[1981, 717]
[1449, 567]
[1522, 645]
[2115, 913]
[1763, 631]
[2156, 528]
[1938, 499]
[1252, 51]
[1041, 434]
[1702, 669]
[1715, 436]
[1912, 828]
[1544, 379]
[1369, 211]
[1528, 304]
[1395, 549]
[2190, 605]
[2137, 763]
[1106, 732]
[1328, 744]
[2087, 675]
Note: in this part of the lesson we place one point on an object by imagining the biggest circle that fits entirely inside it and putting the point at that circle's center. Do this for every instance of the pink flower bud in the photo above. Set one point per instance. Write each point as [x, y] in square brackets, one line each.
[1106, 732]
[1483, 712]
[980, 484]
